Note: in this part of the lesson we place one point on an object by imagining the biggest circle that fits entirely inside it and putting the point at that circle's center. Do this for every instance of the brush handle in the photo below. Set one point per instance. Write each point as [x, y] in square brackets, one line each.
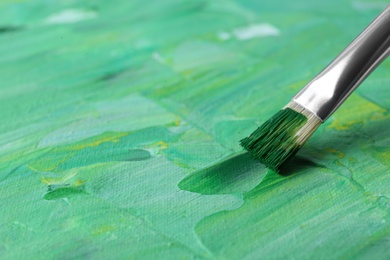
[326, 92]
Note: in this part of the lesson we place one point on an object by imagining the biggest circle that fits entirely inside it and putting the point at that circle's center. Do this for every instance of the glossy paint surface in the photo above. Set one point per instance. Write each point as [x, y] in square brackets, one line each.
[121, 125]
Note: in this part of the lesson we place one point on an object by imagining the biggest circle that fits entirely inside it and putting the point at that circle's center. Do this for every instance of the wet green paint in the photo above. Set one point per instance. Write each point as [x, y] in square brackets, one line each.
[121, 125]
[63, 192]
[235, 175]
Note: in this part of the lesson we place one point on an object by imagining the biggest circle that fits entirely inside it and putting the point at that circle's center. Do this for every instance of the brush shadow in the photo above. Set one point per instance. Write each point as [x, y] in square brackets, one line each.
[295, 165]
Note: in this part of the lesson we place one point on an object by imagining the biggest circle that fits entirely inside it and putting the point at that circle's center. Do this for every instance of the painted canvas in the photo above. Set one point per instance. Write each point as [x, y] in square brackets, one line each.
[121, 121]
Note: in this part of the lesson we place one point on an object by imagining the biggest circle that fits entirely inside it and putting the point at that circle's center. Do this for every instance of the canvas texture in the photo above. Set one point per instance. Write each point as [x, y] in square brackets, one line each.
[121, 122]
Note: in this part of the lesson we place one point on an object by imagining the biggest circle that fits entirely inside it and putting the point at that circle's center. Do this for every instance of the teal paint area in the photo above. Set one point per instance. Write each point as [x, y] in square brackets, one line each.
[120, 129]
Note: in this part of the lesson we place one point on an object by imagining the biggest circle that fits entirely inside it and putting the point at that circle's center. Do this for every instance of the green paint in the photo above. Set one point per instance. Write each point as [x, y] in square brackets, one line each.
[120, 126]
[274, 142]
[282, 216]
[64, 192]
[237, 174]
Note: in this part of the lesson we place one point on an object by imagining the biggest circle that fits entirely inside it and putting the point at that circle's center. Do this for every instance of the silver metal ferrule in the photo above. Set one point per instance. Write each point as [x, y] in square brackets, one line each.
[326, 92]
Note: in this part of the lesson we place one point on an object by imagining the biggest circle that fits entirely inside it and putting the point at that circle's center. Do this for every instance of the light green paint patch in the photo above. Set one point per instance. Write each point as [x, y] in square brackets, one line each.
[120, 127]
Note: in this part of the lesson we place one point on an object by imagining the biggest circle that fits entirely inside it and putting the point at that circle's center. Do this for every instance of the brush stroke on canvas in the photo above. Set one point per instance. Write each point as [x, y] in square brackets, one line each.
[120, 129]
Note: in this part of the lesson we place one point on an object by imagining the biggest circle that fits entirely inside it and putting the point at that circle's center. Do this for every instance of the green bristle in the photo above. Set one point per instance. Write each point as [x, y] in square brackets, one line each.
[274, 142]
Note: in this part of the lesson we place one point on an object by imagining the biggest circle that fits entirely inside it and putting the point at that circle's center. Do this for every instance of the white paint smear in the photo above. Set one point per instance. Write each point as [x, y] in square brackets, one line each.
[224, 36]
[70, 16]
[250, 32]
[157, 57]
[255, 31]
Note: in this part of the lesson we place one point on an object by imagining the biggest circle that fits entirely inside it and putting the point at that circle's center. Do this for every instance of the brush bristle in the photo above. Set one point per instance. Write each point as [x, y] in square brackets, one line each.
[281, 137]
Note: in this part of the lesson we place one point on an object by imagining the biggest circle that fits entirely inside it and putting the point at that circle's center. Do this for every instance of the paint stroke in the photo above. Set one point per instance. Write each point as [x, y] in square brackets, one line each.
[250, 32]
[255, 31]
[237, 174]
[70, 16]
[120, 127]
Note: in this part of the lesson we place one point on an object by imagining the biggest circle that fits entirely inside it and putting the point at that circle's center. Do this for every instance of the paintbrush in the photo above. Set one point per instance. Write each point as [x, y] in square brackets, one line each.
[280, 138]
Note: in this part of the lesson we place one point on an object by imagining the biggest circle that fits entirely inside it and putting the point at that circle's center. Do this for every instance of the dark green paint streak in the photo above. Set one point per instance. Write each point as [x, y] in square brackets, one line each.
[238, 174]
[138, 155]
[64, 192]
[9, 29]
